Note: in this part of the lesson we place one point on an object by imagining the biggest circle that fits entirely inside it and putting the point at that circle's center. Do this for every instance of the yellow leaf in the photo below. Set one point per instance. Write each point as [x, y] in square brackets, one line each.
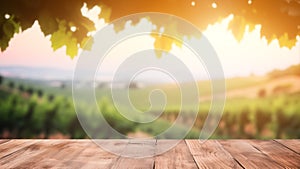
[285, 41]
[105, 12]
[62, 37]
[237, 26]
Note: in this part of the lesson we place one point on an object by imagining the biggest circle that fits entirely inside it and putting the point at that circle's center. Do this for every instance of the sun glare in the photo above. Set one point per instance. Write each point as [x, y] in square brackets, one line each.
[6, 16]
[193, 3]
[73, 28]
[214, 5]
[253, 50]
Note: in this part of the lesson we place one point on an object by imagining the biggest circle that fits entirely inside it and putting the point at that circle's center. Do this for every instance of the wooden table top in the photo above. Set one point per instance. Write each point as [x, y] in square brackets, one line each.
[187, 154]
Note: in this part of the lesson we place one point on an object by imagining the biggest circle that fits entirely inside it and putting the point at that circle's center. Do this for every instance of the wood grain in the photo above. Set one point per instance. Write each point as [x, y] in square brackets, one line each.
[95, 157]
[187, 154]
[14, 146]
[133, 151]
[210, 154]
[293, 144]
[177, 157]
[4, 141]
[30, 155]
[278, 153]
[247, 155]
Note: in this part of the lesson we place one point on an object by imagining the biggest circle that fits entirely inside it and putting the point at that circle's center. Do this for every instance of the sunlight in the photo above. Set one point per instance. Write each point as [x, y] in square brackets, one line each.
[6, 16]
[73, 28]
[253, 49]
[214, 5]
[193, 3]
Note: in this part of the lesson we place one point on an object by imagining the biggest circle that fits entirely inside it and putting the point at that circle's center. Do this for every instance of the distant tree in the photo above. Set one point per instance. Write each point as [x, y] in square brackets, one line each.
[27, 127]
[75, 129]
[62, 86]
[49, 120]
[262, 93]
[1, 79]
[50, 98]
[262, 118]
[29, 91]
[21, 88]
[281, 88]
[283, 121]
[292, 70]
[244, 119]
[11, 85]
[40, 93]
[133, 85]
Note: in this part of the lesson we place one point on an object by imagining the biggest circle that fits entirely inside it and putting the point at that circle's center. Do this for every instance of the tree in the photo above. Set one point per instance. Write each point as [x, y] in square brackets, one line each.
[62, 86]
[40, 93]
[1, 79]
[262, 93]
[50, 98]
[279, 19]
[11, 84]
[29, 91]
[21, 88]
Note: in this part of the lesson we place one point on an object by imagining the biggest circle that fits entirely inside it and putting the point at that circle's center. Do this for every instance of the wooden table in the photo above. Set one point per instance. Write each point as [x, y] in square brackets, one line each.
[187, 154]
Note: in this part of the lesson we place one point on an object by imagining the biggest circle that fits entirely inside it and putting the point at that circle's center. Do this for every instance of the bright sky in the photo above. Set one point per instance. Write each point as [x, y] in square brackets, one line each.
[251, 56]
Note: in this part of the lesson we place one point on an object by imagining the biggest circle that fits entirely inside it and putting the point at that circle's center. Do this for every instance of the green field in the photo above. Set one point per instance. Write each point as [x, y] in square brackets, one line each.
[36, 109]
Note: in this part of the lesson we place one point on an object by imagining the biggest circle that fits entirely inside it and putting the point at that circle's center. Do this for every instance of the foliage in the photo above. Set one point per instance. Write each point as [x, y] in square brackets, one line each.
[11, 84]
[279, 19]
[40, 93]
[1, 79]
[24, 116]
[290, 71]
[29, 91]
[21, 88]
[261, 93]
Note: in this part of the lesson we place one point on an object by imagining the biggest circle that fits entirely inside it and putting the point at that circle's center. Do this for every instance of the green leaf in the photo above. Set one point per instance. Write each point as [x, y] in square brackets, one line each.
[9, 27]
[64, 37]
[47, 23]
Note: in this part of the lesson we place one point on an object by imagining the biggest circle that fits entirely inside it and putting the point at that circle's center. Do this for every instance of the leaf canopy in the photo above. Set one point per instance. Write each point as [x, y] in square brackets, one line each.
[279, 19]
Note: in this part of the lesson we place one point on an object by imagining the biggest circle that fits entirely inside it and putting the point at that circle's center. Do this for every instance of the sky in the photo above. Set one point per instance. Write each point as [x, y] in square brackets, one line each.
[250, 56]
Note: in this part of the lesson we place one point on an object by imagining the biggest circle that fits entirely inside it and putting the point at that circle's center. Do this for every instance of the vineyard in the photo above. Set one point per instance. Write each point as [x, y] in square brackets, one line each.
[38, 111]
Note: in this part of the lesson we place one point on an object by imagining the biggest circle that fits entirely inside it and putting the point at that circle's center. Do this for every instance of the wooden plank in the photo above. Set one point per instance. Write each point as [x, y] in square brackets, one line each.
[138, 153]
[291, 144]
[4, 141]
[29, 155]
[64, 157]
[95, 157]
[48, 154]
[177, 157]
[247, 155]
[186, 154]
[14, 146]
[134, 163]
[278, 153]
[210, 154]
[59, 154]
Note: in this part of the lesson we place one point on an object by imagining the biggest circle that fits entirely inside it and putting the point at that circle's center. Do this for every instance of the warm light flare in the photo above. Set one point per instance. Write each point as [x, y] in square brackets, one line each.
[193, 3]
[214, 5]
[6, 16]
[73, 28]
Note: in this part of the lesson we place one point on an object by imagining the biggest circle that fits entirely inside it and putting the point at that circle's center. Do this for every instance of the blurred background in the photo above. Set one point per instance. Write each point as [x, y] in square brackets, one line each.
[262, 71]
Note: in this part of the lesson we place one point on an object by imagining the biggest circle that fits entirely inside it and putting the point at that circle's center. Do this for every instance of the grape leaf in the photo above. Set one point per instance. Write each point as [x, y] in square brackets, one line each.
[64, 37]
